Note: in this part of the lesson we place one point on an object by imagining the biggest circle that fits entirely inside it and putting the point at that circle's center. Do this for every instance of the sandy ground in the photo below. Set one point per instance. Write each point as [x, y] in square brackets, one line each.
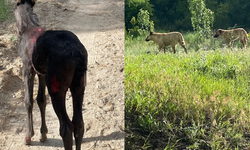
[99, 24]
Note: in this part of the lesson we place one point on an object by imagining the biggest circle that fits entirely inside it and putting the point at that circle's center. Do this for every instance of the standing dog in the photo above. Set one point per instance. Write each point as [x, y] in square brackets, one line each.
[167, 39]
[231, 35]
[60, 60]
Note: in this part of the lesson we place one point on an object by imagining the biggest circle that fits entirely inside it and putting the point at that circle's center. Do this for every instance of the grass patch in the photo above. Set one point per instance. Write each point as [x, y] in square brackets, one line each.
[4, 10]
[198, 100]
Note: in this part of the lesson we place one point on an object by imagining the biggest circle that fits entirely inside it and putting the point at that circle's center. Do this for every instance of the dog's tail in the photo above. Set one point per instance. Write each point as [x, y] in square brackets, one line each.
[245, 35]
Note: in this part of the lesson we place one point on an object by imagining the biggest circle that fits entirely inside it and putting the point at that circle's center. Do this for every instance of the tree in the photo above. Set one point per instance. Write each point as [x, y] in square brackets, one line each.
[132, 8]
[142, 24]
[171, 15]
[202, 18]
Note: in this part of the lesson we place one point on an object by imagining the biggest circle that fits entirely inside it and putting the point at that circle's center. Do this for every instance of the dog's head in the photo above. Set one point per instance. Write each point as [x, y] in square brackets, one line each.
[218, 33]
[30, 2]
[22, 19]
[149, 36]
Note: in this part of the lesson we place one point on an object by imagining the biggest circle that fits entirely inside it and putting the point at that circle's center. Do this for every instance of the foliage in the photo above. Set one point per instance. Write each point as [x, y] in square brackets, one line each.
[132, 8]
[144, 21]
[171, 15]
[174, 15]
[230, 13]
[142, 24]
[201, 18]
[4, 10]
[239, 13]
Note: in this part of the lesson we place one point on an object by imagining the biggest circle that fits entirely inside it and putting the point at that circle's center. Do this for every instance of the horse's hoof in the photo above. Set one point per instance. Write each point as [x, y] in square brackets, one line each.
[27, 140]
[43, 138]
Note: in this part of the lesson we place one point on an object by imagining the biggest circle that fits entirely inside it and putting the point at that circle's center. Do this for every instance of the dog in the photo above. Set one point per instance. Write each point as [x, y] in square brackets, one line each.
[167, 39]
[231, 35]
[60, 60]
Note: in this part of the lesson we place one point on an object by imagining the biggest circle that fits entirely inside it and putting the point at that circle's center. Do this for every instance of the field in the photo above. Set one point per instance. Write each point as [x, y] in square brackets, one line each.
[198, 100]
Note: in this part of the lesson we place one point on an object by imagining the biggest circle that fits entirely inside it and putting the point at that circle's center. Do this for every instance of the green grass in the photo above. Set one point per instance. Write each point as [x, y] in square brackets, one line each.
[4, 10]
[198, 100]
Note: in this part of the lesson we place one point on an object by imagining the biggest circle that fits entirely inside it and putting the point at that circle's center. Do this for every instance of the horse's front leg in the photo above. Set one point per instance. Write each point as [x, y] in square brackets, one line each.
[28, 74]
[41, 100]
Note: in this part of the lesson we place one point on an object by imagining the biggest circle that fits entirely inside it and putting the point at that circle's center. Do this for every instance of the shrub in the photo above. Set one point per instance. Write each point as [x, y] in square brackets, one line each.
[201, 18]
[142, 24]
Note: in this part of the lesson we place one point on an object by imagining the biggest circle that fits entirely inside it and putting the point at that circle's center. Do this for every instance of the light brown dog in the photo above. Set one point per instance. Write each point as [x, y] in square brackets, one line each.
[167, 39]
[231, 35]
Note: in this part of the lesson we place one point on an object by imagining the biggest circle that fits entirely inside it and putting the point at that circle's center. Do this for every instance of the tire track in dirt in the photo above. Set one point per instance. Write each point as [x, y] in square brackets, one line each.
[99, 24]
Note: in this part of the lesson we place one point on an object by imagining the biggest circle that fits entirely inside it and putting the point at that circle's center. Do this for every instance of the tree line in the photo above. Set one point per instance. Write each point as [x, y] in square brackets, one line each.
[175, 15]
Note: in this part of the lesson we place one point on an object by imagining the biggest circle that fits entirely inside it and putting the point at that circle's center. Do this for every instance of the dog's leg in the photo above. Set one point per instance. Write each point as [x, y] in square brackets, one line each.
[173, 47]
[228, 41]
[160, 47]
[231, 45]
[41, 100]
[77, 90]
[245, 40]
[28, 74]
[243, 44]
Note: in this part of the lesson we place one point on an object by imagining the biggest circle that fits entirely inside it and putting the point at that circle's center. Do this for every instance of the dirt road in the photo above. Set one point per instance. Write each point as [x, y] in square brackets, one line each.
[99, 24]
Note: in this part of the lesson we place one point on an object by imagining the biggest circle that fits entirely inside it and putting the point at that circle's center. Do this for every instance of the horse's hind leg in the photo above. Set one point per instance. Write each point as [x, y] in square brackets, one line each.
[77, 90]
[66, 127]
[29, 74]
[57, 90]
[41, 100]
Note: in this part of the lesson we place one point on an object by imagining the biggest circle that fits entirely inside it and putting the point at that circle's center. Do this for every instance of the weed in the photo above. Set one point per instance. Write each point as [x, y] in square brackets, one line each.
[13, 39]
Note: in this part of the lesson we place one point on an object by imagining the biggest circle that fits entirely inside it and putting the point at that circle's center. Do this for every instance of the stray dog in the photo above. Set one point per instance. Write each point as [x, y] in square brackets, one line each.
[60, 60]
[231, 35]
[167, 39]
